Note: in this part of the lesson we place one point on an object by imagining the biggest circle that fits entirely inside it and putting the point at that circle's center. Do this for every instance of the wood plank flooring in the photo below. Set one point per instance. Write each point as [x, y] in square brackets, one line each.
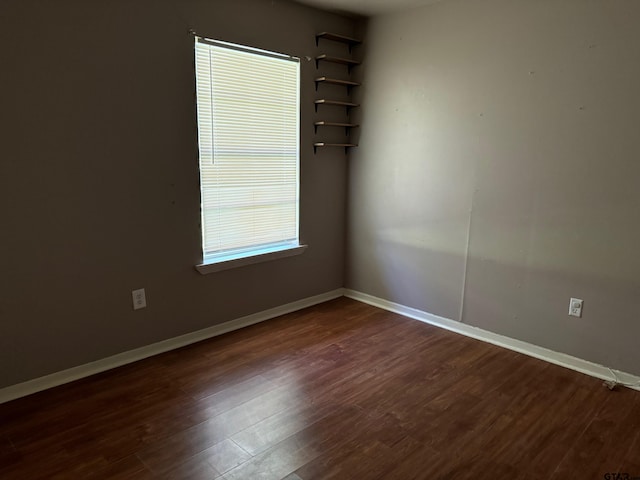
[341, 390]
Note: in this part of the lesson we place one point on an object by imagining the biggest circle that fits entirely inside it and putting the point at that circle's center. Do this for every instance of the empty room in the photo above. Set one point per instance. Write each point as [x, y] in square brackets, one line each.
[319, 239]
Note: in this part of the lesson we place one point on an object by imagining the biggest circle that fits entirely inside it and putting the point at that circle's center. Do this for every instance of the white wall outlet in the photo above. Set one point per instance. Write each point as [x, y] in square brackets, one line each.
[139, 299]
[575, 307]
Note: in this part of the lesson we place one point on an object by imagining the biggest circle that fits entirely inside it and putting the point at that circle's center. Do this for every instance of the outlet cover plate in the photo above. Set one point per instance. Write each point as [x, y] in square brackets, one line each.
[139, 299]
[575, 307]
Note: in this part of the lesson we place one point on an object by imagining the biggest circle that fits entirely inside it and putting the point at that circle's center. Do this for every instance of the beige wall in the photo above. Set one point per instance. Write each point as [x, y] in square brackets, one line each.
[498, 170]
[496, 174]
[99, 180]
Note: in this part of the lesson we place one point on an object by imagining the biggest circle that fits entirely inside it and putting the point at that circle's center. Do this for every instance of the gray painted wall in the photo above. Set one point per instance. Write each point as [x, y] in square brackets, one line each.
[99, 180]
[497, 173]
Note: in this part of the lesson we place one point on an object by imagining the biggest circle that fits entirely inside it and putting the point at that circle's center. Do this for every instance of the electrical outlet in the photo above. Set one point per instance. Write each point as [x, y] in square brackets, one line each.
[139, 299]
[575, 307]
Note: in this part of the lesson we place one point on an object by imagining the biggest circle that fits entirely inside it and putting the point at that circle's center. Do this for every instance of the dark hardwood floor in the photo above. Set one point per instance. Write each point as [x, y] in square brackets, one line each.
[342, 390]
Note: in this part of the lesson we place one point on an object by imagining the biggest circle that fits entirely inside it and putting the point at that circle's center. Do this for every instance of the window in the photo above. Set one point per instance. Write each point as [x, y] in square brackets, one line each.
[248, 135]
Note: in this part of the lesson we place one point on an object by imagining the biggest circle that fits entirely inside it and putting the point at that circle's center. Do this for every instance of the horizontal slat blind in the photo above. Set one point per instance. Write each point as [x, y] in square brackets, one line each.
[248, 133]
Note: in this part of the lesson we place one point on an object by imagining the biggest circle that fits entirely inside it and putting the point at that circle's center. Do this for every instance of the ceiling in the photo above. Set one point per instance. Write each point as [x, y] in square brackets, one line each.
[366, 7]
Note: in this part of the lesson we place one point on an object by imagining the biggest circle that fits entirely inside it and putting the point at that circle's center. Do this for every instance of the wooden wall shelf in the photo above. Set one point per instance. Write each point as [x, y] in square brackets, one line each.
[343, 61]
[345, 102]
[336, 81]
[335, 103]
[346, 126]
[338, 38]
[346, 146]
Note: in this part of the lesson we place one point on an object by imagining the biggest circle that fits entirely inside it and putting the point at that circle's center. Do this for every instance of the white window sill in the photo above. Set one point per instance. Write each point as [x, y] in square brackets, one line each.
[219, 265]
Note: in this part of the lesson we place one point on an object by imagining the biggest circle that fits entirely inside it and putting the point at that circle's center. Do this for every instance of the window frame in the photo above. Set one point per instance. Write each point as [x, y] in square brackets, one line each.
[224, 259]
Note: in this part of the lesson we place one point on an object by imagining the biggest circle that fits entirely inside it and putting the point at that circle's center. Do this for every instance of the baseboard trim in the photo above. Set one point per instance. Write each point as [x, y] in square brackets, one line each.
[66, 376]
[562, 359]
[59, 378]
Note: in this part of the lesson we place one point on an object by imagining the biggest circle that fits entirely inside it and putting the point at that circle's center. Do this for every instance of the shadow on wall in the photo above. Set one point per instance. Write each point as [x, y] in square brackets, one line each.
[517, 292]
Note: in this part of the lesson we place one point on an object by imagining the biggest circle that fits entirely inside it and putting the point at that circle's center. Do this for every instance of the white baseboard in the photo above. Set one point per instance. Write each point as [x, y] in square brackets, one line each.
[562, 359]
[59, 378]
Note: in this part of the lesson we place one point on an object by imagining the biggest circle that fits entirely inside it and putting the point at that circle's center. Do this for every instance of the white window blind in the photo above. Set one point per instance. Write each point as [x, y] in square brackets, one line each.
[248, 133]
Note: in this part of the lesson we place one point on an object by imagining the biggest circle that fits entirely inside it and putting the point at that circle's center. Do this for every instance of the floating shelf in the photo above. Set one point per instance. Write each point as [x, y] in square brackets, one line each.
[338, 38]
[346, 146]
[324, 59]
[335, 81]
[336, 103]
[343, 61]
[346, 126]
